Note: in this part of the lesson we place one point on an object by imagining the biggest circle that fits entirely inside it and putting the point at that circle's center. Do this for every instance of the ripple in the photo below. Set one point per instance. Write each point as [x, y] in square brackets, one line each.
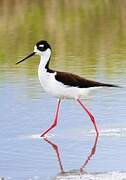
[112, 132]
[120, 132]
[114, 175]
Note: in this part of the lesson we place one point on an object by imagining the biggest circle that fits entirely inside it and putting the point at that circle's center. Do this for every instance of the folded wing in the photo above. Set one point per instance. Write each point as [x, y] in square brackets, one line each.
[73, 80]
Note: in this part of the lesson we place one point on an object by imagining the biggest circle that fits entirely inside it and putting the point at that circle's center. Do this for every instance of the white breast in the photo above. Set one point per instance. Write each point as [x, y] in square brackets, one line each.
[47, 80]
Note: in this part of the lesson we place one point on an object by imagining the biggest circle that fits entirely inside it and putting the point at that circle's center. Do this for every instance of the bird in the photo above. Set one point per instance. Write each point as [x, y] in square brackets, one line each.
[62, 85]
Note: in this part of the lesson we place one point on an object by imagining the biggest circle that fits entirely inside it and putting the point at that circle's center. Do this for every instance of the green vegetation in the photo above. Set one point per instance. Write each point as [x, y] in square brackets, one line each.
[88, 33]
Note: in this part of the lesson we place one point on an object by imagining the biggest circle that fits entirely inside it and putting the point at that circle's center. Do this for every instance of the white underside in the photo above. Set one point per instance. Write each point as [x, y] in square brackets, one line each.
[59, 90]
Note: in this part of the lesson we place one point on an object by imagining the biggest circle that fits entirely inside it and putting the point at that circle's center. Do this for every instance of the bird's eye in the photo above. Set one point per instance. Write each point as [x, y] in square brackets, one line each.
[41, 47]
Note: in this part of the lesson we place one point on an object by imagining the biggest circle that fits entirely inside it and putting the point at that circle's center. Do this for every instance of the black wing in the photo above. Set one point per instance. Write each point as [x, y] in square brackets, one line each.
[70, 79]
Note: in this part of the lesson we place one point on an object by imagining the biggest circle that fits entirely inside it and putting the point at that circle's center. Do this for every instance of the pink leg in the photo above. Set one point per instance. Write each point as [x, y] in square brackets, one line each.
[55, 119]
[90, 115]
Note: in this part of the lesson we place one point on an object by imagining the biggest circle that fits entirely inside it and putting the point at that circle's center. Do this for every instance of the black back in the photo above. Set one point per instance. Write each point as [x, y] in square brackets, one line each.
[73, 80]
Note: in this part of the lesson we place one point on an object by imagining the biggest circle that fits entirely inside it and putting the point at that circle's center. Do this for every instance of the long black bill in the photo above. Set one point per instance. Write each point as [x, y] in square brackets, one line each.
[32, 54]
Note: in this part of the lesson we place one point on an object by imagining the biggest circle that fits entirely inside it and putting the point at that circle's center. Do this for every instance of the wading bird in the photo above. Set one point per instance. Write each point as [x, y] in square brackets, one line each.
[62, 84]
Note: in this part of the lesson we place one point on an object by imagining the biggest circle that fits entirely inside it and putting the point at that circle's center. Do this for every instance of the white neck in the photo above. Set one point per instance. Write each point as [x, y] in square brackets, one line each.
[44, 58]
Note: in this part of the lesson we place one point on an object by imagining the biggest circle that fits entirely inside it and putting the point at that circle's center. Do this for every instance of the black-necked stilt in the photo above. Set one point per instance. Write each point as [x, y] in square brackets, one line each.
[62, 84]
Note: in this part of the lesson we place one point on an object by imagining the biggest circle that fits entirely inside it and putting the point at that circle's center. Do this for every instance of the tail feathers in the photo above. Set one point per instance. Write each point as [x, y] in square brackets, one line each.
[111, 85]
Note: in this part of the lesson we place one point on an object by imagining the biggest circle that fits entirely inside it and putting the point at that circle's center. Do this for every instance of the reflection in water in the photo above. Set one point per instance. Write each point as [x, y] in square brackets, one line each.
[82, 167]
[93, 151]
[56, 149]
[89, 39]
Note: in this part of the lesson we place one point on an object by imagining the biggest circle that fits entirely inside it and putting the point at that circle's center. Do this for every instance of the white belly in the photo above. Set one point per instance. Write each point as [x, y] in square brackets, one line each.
[59, 90]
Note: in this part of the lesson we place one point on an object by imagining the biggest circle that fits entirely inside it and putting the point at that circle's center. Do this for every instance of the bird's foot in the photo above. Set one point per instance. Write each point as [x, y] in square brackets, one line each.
[44, 136]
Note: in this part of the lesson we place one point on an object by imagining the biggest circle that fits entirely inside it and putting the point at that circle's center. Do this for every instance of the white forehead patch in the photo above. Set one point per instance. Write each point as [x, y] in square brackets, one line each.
[41, 45]
[35, 48]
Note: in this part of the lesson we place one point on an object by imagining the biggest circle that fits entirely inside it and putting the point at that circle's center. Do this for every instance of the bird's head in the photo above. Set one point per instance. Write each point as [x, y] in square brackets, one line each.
[42, 48]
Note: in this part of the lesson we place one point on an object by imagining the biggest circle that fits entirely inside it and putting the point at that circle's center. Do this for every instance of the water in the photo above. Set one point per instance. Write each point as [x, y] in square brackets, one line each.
[88, 38]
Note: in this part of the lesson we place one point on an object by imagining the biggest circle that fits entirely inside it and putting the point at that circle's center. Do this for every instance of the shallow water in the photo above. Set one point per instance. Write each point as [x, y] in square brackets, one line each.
[87, 39]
